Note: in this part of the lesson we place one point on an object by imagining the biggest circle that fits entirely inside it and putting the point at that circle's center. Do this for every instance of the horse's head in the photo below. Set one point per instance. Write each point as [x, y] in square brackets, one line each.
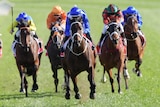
[131, 27]
[57, 34]
[114, 32]
[25, 38]
[78, 44]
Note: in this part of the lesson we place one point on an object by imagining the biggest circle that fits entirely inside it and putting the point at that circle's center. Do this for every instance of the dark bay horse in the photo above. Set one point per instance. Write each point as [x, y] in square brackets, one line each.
[113, 54]
[79, 57]
[135, 43]
[53, 50]
[27, 59]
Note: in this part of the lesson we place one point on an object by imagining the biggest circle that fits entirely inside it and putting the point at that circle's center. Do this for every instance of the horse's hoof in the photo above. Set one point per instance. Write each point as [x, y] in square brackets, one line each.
[92, 96]
[120, 92]
[34, 88]
[78, 96]
[139, 74]
[103, 80]
[22, 90]
[67, 96]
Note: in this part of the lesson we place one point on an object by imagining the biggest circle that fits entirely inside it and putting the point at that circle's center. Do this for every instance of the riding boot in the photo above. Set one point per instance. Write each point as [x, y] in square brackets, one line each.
[62, 49]
[16, 38]
[35, 36]
[50, 37]
[102, 36]
[89, 37]
[99, 44]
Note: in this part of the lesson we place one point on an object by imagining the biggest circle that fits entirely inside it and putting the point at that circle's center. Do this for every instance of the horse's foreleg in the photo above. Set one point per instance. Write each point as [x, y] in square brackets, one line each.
[111, 79]
[66, 78]
[55, 76]
[76, 90]
[92, 82]
[119, 80]
[35, 85]
[24, 84]
[137, 66]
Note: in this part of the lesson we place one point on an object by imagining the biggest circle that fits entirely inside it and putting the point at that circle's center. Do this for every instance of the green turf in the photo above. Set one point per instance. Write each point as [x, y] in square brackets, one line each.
[143, 92]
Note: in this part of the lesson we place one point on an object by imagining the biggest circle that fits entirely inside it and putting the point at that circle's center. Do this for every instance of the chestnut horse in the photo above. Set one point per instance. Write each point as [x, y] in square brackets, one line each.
[135, 43]
[113, 54]
[53, 50]
[79, 57]
[27, 58]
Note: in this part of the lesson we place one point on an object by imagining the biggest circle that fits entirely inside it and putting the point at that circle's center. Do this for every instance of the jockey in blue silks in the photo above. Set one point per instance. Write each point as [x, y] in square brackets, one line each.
[133, 11]
[76, 12]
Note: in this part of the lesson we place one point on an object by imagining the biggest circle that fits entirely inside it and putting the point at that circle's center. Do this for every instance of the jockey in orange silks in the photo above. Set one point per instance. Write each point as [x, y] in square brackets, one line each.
[57, 14]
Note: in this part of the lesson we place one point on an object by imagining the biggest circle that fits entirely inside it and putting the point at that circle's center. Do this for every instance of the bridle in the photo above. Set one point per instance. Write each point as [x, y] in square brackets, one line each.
[20, 42]
[57, 35]
[132, 34]
[80, 35]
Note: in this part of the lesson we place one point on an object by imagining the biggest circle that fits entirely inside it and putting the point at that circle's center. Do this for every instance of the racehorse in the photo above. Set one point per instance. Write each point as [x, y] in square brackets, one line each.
[113, 54]
[135, 43]
[27, 58]
[53, 50]
[79, 57]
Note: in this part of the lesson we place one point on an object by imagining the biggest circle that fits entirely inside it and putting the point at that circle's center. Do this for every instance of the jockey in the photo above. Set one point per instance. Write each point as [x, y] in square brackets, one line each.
[132, 11]
[22, 17]
[57, 14]
[111, 14]
[74, 13]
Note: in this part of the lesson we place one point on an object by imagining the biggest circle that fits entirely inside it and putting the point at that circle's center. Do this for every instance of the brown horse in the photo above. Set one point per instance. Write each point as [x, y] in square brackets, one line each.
[53, 50]
[27, 59]
[135, 43]
[79, 57]
[113, 54]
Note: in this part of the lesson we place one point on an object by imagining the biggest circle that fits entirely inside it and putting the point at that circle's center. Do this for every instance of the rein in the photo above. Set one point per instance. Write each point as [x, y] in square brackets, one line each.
[20, 40]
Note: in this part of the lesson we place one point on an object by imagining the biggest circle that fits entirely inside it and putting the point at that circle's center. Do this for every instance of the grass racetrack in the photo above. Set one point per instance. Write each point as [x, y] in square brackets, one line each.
[142, 92]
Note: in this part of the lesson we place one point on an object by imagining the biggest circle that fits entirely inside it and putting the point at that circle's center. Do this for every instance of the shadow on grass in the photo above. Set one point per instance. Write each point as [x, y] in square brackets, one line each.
[30, 95]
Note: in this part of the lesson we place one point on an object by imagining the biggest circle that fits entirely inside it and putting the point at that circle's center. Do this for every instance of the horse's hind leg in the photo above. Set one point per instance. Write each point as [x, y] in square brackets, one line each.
[103, 79]
[92, 83]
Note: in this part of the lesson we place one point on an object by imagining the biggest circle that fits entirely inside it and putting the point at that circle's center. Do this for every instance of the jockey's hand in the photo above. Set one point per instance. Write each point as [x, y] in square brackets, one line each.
[11, 31]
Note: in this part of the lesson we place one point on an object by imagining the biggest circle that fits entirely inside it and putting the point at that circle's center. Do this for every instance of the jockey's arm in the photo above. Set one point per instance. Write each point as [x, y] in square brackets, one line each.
[32, 26]
[12, 26]
[67, 29]
[86, 24]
